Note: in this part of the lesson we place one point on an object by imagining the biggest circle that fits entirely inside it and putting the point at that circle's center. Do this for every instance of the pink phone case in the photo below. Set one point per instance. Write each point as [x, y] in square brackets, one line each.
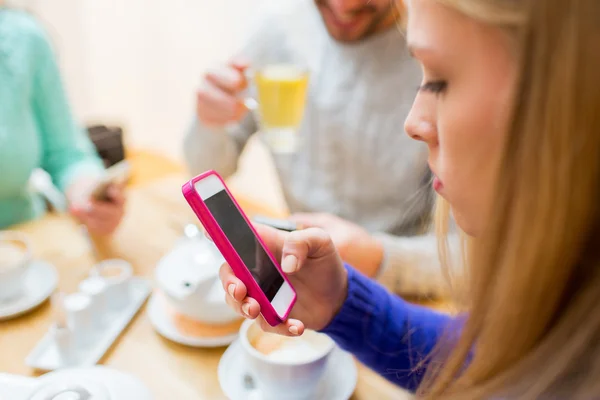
[231, 256]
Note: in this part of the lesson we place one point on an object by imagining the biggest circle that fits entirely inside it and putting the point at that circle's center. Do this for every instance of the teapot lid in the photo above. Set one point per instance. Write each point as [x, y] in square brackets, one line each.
[191, 261]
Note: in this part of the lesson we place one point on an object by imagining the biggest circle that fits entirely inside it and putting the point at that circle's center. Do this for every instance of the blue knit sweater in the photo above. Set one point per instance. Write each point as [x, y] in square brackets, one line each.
[386, 333]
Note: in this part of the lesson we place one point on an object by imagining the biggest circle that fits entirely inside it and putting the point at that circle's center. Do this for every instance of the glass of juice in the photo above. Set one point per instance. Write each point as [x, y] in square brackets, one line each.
[280, 101]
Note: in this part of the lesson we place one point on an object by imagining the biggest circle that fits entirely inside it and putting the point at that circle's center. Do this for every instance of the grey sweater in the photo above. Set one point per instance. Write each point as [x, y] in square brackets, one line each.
[356, 161]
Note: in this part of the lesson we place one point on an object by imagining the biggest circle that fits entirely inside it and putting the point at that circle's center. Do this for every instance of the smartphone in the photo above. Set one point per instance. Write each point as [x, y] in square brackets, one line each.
[117, 174]
[240, 245]
[281, 224]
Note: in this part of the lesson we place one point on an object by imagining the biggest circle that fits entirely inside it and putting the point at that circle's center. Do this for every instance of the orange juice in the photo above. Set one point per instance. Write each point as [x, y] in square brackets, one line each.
[281, 99]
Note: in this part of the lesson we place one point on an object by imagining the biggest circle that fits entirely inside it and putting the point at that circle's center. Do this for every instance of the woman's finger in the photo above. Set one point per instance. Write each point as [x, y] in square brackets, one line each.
[102, 225]
[234, 287]
[273, 239]
[291, 327]
[237, 294]
[99, 227]
[116, 194]
[105, 211]
[234, 305]
[249, 308]
[304, 244]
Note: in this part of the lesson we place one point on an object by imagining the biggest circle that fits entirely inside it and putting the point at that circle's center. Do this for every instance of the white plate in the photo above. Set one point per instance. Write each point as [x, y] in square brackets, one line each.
[40, 282]
[98, 381]
[162, 323]
[46, 357]
[337, 383]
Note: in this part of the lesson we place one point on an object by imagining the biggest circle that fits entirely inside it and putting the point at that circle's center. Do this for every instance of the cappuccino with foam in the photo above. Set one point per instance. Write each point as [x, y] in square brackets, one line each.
[15, 260]
[287, 350]
[11, 255]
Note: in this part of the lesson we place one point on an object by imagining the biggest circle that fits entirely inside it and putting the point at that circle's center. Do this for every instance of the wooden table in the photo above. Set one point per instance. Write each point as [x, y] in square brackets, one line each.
[156, 213]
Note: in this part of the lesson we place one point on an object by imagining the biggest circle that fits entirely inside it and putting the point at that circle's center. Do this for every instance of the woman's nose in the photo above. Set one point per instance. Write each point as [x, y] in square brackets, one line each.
[419, 126]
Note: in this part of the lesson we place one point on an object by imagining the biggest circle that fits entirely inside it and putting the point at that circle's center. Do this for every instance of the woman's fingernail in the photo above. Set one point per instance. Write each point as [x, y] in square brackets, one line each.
[231, 290]
[293, 330]
[246, 309]
[289, 264]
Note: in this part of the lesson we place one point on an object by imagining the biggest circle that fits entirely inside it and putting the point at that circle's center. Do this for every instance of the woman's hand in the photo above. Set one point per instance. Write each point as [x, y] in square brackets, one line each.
[314, 269]
[100, 217]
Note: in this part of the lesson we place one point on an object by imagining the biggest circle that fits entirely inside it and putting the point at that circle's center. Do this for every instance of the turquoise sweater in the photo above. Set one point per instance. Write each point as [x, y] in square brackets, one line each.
[37, 129]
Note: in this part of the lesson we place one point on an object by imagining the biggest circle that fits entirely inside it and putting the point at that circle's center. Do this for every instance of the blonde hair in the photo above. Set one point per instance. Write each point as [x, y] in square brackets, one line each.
[533, 328]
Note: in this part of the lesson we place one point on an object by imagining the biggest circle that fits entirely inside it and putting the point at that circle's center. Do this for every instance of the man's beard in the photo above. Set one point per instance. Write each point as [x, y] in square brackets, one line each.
[377, 16]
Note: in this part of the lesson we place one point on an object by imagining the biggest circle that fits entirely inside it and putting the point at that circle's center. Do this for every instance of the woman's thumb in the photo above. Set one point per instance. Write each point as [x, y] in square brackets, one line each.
[302, 245]
[289, 264]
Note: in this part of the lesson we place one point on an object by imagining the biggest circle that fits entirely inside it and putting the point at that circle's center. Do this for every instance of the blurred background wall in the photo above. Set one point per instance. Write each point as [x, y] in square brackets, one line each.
[136, 63]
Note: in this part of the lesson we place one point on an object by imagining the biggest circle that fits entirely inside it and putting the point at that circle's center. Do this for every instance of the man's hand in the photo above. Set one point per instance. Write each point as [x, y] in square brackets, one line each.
[355, 245]
[218, 99]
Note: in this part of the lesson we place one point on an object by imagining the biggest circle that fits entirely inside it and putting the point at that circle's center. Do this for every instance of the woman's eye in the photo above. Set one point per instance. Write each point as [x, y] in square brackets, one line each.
[433, 87]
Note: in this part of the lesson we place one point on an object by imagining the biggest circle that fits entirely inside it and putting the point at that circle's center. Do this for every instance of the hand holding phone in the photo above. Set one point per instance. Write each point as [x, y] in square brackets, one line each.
[241, 246]
[117, 175]
[314, 268]
[101, 212]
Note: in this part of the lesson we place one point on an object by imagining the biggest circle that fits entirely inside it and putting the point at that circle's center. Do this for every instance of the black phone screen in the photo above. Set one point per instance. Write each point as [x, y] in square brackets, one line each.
[245, 243]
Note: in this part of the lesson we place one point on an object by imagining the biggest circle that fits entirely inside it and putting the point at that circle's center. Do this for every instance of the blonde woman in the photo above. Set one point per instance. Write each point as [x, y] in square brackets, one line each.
[510, 110]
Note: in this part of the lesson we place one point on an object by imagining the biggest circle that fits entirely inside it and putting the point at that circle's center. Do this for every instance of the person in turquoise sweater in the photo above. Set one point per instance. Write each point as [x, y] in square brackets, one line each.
[37, 130]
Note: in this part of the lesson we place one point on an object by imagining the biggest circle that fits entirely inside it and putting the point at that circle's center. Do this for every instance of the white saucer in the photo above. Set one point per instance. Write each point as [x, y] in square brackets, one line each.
[159, 318]
[40, 282]
[337, 383]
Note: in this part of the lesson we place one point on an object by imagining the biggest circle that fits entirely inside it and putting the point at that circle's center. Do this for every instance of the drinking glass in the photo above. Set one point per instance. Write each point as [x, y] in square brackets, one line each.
[280, 95]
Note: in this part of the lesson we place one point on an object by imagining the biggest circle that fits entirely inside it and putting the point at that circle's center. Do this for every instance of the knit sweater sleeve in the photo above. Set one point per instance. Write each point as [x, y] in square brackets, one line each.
[387, 334]
[68, 153]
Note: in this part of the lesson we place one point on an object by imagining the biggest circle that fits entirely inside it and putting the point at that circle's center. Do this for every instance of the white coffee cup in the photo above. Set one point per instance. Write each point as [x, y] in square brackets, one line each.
[95, 288]
[15, 260]
[116, 273]
[283, 367]
[79, 317]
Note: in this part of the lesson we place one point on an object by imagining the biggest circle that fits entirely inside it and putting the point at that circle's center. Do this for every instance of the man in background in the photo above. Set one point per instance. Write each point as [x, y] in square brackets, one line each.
[357, 175]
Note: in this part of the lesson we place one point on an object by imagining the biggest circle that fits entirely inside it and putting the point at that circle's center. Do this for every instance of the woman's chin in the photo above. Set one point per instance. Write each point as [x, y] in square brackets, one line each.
[465, 222]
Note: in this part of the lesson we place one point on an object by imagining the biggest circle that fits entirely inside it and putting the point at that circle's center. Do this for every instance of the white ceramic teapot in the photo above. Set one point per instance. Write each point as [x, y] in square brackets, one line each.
[188, 276]
[89, 383]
